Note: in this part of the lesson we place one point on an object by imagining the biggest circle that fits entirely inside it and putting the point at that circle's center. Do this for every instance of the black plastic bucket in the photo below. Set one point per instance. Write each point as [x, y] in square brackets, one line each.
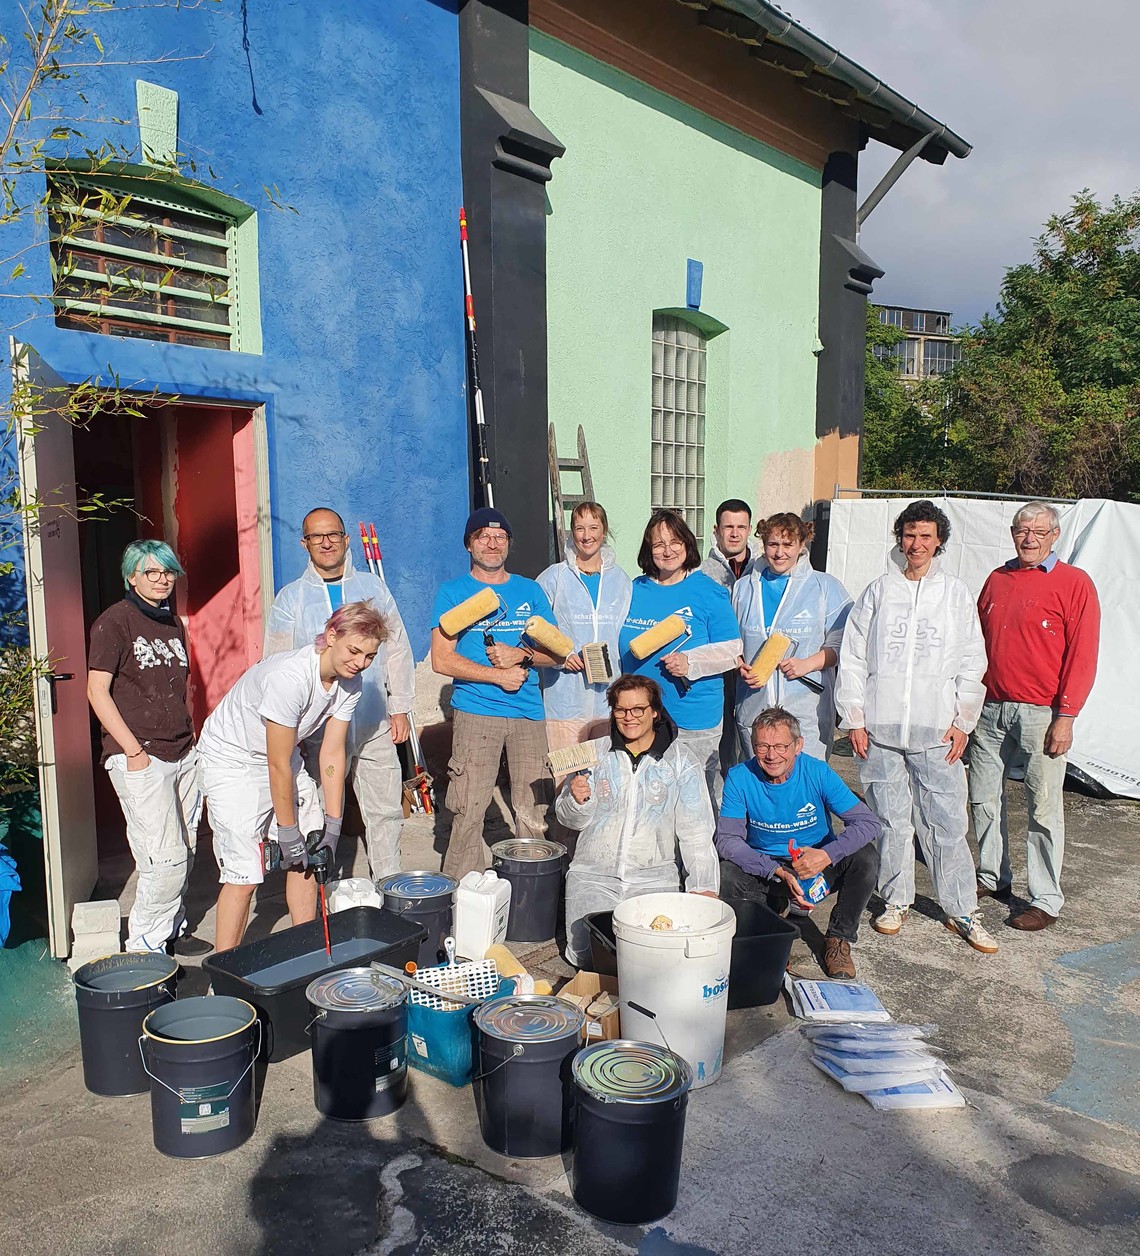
[112, 996]
[630, 1100]
[428, 898]
[522, 1073]
[760, 950]
[200, 1054]
[360, 1037]
[533, 866]
[603, 944]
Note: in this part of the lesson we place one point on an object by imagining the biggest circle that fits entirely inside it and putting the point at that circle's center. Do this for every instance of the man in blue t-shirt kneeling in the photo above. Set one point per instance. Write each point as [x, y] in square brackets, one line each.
[781, 801]
[496, 701]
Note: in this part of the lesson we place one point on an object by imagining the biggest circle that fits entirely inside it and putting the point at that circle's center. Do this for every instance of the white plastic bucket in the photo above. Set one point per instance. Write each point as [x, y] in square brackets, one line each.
[353, 892]
[678, 974]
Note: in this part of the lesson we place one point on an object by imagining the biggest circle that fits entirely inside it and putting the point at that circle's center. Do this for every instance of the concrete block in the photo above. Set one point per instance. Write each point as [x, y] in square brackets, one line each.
[89, 946]
[97, 917]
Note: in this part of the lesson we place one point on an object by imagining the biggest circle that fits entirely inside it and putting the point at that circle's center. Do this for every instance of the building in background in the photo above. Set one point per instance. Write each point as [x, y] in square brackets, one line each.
[930, 347]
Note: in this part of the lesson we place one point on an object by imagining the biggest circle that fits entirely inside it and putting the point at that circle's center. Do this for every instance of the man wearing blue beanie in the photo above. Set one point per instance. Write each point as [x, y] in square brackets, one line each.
[496, 700]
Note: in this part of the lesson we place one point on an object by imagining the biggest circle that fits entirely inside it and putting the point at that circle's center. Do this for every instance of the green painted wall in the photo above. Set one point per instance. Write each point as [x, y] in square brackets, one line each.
[646, 183]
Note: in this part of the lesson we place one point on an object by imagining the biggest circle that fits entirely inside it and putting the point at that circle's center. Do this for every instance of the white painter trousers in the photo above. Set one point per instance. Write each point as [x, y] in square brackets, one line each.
[161, 804]
[909, 789]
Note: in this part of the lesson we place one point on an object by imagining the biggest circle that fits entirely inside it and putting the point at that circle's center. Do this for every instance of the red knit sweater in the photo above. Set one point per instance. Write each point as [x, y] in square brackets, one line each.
[1042, 630]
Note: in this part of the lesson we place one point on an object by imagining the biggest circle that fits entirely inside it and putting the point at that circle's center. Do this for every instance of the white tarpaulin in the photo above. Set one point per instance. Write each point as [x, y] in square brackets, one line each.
[1101, 537]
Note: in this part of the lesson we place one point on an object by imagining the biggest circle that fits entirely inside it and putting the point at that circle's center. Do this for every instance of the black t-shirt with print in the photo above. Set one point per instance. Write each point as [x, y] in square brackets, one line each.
[148, 662]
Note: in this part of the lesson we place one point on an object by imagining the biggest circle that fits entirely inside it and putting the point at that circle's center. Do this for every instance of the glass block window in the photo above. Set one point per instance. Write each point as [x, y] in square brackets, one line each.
[680, 355]
[135, 265]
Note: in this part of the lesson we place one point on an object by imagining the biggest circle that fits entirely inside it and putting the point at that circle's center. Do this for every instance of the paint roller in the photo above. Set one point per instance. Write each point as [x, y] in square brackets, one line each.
[771, 654]
[670, 629]
[543, 633]
[470, 611]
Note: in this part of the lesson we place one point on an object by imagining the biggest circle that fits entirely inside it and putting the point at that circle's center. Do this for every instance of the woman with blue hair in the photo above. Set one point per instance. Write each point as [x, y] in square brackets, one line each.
[137, 671]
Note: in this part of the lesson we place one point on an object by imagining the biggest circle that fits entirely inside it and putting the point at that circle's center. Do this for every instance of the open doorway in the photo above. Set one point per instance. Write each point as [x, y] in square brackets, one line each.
[190, 473]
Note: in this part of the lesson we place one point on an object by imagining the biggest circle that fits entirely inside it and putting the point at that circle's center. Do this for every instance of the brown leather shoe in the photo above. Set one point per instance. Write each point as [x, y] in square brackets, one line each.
[837, 961]
[1031, 919]
[1001, 892]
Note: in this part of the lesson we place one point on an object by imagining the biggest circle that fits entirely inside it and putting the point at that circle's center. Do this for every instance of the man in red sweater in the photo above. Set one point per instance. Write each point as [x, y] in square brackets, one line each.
[1041, 622]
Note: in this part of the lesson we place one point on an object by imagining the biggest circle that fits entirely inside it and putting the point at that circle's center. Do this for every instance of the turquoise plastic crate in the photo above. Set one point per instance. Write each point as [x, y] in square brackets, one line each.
[440, 1041]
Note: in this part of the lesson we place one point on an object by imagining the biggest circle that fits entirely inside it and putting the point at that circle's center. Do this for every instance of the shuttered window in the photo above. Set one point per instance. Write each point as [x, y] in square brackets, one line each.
[141, 267]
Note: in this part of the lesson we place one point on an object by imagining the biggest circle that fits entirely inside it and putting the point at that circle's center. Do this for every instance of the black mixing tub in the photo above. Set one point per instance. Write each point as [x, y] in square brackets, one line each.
[273, 973]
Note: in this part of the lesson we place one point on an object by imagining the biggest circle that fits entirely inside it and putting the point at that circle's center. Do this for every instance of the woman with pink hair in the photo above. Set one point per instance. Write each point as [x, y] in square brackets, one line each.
[252, 774]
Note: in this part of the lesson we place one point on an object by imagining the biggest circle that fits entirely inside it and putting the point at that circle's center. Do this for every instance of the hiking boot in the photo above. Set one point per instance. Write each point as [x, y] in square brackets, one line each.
[837, 961]
[974, 932]
[891, 919]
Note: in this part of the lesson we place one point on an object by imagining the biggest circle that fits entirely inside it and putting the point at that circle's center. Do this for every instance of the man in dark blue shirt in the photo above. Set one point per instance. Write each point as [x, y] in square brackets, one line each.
[782, 801]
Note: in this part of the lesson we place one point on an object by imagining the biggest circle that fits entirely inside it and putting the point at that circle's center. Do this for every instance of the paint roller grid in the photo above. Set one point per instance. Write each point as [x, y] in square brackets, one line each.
[677, 459]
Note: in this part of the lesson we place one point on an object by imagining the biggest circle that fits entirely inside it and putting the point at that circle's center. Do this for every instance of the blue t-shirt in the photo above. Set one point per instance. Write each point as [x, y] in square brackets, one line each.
[521, 598]
[706, 608]
[772, 589]
[336, 593]
[592, 580]
[796, 808]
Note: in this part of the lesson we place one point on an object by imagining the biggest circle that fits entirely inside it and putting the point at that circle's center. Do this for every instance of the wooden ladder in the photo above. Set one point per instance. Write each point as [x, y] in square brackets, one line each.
[561, 501]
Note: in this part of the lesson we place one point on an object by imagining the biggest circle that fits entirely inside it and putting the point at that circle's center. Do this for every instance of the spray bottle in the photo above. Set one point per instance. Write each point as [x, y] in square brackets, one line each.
[814, 889]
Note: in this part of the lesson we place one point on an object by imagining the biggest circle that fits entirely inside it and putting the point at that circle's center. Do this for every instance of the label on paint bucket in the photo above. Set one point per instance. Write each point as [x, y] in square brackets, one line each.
[203, 1109]
[385, 1061]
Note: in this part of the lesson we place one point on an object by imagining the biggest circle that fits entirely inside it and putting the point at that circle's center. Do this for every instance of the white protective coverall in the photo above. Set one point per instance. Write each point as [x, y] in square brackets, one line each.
[571, 704]
[300, 612]
[813, 612]
[639, 817]
[910, 666]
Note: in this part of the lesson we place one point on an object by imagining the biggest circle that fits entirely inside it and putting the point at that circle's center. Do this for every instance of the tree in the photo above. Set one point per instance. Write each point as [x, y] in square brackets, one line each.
[1046, 399]
[904, 435]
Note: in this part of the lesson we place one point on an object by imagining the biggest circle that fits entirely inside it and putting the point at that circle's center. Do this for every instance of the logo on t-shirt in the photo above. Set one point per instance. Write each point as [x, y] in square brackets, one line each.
[155, 653]
[807, 811]
[524, 609]
[686, 612]
[802, 615]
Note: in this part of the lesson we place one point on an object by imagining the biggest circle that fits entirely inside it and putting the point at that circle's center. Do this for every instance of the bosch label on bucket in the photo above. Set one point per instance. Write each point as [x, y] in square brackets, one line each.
[204, 1108]
[715, 991]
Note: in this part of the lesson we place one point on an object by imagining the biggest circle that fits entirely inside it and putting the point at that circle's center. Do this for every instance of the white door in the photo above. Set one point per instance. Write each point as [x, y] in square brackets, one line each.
[55, 623]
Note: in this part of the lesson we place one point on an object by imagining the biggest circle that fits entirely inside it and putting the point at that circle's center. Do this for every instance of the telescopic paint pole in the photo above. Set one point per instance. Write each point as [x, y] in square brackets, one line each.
[484, 469]
[367, 550]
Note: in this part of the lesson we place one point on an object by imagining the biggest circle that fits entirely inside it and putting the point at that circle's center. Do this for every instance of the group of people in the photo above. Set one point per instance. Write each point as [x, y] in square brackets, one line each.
[704, 778]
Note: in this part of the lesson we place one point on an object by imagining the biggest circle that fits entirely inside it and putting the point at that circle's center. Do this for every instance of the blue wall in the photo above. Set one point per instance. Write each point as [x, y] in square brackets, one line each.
[362, 373]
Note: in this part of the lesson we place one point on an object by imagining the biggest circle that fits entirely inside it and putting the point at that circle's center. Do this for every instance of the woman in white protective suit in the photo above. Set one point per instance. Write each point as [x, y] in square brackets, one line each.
[910, 691]
[589, 593]
[785, 593]
[640, 810]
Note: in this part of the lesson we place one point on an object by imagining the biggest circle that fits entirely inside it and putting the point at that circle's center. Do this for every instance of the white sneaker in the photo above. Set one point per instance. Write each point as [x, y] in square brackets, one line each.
[891, 919]
[974, 932]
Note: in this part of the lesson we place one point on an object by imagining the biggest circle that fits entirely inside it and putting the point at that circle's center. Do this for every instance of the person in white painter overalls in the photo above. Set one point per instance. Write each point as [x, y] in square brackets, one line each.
[590, 596]
[785, 593]
[381, 720]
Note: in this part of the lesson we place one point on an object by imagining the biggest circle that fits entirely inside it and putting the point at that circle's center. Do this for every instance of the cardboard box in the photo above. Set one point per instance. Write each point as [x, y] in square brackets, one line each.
[587, 987]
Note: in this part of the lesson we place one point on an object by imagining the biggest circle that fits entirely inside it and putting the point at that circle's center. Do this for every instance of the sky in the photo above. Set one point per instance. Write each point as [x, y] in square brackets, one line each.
[1047, 93]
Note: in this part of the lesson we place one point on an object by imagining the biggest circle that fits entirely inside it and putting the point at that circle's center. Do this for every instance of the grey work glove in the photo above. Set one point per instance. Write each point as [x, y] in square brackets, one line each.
[330, 835]
[292, 845]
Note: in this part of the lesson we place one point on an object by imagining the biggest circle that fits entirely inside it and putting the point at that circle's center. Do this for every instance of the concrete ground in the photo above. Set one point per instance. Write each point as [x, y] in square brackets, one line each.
[1042, 1038]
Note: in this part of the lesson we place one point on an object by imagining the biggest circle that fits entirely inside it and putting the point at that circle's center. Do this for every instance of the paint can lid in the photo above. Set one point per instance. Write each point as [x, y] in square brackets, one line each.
[623, 1071]
[529, 1018]
[355, 990]
[528, 849]
[417, 885]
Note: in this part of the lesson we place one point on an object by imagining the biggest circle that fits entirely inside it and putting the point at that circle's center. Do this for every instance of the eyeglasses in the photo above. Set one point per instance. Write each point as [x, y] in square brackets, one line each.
[155, 574]
[1021, 533]
[494, 536]
[779, 747]
[633, 713]
[666, 547]
[331, 537]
